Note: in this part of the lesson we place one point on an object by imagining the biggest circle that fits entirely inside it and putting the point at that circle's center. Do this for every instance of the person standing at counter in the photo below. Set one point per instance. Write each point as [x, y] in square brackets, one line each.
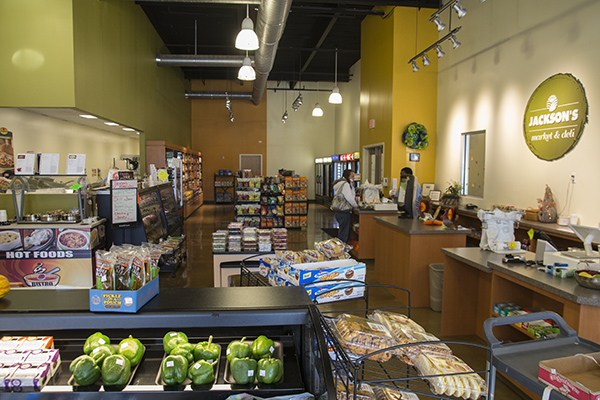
[399, 195]
[345, 186]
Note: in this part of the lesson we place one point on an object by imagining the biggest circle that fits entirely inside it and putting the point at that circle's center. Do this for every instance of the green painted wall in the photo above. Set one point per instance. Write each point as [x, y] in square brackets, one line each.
[391, 93]
[36, 53]
[96, 56]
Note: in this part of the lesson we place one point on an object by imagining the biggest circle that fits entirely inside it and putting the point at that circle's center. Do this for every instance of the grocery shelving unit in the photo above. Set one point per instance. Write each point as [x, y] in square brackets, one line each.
[158, 152]
[247, 201]
[296, 201]
[224, 189]
[272, 202]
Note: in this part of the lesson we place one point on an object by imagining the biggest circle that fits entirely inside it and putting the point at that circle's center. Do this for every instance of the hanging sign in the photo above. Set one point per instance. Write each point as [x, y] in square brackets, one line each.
[555, 116]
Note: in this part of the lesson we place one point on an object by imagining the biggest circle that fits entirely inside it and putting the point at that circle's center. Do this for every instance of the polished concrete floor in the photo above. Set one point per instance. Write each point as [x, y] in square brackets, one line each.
[198, 272]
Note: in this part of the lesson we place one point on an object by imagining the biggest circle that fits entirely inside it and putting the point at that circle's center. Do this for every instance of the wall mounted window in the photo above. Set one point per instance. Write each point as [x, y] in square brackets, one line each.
[472, 166]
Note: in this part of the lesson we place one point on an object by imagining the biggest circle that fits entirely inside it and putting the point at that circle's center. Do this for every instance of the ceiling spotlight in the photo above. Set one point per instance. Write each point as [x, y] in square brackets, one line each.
[455, 43]
[460, 10]
[284, 117]
[439, 51]
[317, 111]
[426, 61]
[438, 22]
[335, 97]
[246, 72]
[247, 39]
[297, 103]
[414, 65]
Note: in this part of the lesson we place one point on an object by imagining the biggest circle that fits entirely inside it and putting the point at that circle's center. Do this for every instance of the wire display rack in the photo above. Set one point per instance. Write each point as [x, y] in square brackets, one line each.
[351, 371]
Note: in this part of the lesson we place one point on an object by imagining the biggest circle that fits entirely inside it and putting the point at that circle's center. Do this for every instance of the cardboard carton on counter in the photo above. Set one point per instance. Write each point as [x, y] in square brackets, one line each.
[301, 274]
[577, 377]
[129, 301]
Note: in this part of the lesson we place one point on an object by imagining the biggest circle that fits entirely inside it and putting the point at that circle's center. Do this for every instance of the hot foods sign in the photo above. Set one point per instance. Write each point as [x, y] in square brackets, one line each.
[556, 114]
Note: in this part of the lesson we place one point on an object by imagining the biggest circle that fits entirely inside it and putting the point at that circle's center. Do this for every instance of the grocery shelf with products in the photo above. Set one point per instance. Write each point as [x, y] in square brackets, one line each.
[247, 201]
[296, 201]
[188, 181]
[224, 187]
[284, 315]
[272, 202]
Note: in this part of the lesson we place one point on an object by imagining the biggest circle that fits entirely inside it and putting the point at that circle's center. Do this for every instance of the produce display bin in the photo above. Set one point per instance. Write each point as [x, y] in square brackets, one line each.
[129, 301]
[284, 314]
[520, 360]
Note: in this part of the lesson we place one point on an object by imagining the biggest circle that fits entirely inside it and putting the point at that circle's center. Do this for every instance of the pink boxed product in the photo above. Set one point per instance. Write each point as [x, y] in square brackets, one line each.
[27, 378]
[11, 357]
[39, 357]
[577, 377]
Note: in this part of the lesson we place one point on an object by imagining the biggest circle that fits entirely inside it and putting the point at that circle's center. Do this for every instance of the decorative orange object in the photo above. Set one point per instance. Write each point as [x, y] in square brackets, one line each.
[4, 286]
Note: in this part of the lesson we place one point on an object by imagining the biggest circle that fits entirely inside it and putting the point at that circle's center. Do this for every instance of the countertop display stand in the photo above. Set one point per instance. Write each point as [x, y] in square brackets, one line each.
[520, 361]
[40, 183]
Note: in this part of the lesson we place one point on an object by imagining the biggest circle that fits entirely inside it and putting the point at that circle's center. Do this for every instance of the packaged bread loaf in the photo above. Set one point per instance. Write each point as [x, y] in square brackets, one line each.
[467, 385]
[310, 256]
[361, 336]
[333, 248]
[385, 393]
[363, 392]
[289, 257]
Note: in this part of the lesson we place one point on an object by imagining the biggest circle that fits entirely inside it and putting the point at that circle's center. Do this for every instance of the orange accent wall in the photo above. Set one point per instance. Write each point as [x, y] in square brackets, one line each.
[222, 141]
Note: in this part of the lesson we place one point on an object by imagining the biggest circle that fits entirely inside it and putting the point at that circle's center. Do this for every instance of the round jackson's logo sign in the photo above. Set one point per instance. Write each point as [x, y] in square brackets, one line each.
[555, 116]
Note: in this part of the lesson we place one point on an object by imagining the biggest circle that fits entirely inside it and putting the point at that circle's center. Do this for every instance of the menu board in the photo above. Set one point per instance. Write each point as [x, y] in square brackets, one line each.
[123, 203]
[169, 206]
[151, 213]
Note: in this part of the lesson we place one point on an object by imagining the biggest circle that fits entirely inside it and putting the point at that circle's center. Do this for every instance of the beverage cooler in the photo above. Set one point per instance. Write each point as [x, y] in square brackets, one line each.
[284, 314]
[343, 162]
[323, 180]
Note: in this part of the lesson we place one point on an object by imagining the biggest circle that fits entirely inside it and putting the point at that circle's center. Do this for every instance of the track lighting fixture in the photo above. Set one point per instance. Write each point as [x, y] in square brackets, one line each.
[317, 111]
[414, 65]
[284, 117]
[246, 72]
[455, 43]
[228, 106]
[439, 51]
[426, 61]
[335, 97]
[438, 22]
[297, 103]
[460, 10]
[246, 38]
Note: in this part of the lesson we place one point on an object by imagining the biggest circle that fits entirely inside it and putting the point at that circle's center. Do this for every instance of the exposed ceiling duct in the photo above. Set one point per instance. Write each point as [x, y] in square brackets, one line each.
[189, 60]
[269, 28]
[218, 95]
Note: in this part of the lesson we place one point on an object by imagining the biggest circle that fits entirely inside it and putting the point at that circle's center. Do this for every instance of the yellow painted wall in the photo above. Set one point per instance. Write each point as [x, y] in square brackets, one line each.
[391, 93]
[415, 93]
[222, 141]
[36, 53]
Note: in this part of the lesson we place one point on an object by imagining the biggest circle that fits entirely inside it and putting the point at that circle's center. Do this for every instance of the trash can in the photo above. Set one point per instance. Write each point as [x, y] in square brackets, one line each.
[436, 284]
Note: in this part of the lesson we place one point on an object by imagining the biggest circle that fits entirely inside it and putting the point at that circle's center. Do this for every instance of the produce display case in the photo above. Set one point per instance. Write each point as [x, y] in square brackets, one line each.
[284, 314]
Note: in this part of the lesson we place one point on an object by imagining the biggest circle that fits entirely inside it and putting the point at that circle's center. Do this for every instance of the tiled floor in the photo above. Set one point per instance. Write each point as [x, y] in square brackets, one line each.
[198, 272]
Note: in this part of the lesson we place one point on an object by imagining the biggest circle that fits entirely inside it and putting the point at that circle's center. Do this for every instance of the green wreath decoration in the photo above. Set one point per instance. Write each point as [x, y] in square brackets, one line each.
[415, 136]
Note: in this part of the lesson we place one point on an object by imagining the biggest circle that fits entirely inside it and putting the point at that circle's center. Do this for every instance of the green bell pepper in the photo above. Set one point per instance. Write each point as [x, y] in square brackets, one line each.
[238, 349]
[116, 370]
[172, 339]
[243, 370]
[95, 340]
[184, 349]
[207, 351]
[269, 370]
[201, 372]
[131, 348]
[100, 353]
[174, 370]
[85, 371]
[262, 347]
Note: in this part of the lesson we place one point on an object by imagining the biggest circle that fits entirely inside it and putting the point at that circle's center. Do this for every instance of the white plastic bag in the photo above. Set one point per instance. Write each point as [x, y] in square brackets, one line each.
[371, 193]
[497, 226]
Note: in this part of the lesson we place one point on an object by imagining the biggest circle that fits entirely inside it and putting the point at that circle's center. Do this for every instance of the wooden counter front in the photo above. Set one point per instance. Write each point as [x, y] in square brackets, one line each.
[405, 248]
[475, 280]
[366, 235]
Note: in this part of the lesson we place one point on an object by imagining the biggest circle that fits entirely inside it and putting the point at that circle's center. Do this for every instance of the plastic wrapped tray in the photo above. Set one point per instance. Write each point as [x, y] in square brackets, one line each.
[385, 393]
[439, 369]
[362, 336]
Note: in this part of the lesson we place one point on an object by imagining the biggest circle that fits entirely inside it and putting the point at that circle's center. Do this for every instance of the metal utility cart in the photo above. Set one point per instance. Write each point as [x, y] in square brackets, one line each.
[520, 360]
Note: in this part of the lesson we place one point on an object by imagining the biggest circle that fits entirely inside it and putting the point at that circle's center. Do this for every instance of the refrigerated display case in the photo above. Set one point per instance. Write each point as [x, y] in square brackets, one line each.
[284, 314]
[323, 181]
